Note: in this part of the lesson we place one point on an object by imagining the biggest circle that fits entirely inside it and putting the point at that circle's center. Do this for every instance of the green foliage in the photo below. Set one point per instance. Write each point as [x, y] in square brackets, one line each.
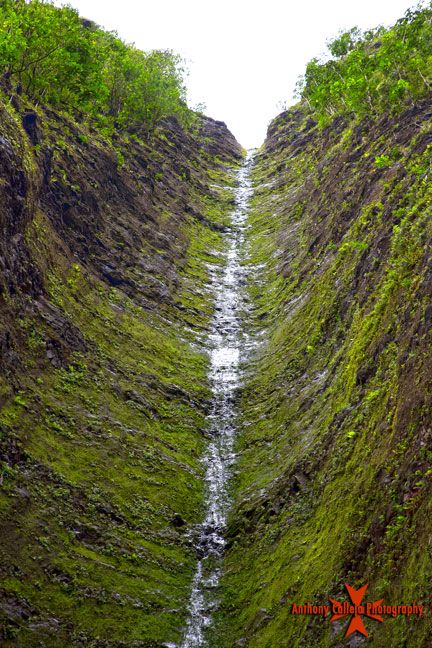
[345, 42]
[353, 245]
[20, 400]
[382, 161]
[379, 70]
[53, 56]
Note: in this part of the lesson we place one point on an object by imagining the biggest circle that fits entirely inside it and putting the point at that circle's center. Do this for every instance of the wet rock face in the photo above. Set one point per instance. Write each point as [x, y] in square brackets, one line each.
[217, 146]
[107, 216]
[105, 252]
[14, 190]
[228, 338]
[336, 408]
[177, 521]
[104, 217]
[30, 125]
[18, 275]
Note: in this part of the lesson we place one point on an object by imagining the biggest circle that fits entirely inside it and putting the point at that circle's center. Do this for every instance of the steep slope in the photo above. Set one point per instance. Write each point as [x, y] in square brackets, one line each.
[105, 254]
[335, 461]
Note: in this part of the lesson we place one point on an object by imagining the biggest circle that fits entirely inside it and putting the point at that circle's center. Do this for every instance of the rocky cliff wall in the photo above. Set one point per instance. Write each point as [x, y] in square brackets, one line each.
[105, 252]
[334, 474]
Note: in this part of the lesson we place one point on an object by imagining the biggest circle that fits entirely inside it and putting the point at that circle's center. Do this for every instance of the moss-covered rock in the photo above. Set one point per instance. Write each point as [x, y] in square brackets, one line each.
[334, 473]
[106, 249]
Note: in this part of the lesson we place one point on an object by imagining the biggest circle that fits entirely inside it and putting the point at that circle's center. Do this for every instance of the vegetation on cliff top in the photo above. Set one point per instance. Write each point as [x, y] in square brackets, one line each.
[371, 72]
[55, 57]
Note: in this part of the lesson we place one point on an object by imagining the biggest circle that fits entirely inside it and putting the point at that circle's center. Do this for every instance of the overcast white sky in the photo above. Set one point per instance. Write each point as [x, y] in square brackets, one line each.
[244, 57]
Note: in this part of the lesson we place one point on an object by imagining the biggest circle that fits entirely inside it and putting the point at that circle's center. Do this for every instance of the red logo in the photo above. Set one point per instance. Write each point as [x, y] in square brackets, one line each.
[356, 610]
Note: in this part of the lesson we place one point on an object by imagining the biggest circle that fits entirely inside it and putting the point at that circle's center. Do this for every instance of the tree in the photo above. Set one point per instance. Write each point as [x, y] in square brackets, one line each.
[54, 56]
[345, 42]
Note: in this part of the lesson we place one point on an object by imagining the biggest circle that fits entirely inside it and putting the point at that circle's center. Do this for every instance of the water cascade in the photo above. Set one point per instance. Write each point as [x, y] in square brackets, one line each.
[227, 343]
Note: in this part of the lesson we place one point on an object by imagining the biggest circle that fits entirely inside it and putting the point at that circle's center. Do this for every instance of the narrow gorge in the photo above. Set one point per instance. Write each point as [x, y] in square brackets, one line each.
[215, 365]
[228, 348]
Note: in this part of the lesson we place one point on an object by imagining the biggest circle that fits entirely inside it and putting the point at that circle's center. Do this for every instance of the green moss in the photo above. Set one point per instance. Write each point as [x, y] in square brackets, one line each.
[104, 436]
[325, 493]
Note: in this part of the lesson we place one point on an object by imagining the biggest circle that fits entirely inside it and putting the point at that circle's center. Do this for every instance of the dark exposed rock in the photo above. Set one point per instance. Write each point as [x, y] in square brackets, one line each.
[29, 122]
[47, 158]
[177, 521]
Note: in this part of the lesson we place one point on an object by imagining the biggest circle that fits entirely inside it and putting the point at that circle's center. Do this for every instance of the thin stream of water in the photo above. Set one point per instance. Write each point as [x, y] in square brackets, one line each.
[227, 343]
